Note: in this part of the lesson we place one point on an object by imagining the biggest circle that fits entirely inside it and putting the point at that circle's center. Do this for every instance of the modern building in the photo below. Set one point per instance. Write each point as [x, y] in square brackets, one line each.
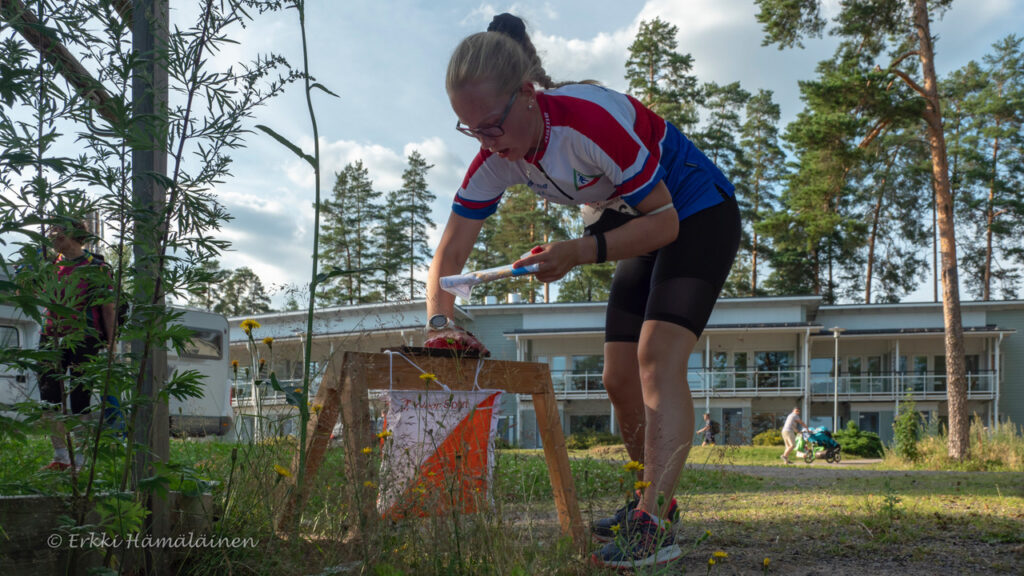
[757, 359]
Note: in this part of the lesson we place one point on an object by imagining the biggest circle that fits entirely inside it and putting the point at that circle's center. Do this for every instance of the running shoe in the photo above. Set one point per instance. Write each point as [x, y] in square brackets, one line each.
[603, 530]
[641, 542]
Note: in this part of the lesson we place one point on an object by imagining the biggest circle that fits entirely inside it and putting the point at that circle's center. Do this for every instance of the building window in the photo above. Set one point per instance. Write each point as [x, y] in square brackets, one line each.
[774, 369]
[939, 382]
[739, 364]
[8, 337]
[868, 422]
[822, 378]
[204, 344]
[695, 371]
[589, 423]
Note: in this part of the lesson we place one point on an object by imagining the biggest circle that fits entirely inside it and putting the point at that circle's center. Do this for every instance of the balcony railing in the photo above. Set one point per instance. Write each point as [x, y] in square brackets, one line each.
[242, 392]
[889, 385]
[745, 382]
[570, 384]
[729, 382]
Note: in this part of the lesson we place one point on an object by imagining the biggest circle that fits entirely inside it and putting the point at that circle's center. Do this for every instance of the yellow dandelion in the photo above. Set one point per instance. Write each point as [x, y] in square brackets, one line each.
[367, 450]
[633, 466]
[234, 366]
[428, 377]
[269, 341]
[711, 561]
[317, 408]
[766, 562]
[298, 390]
[707, 533]
[640, 485]
[720, 554]
[384, 434]
[616, 528]
[248, 326]
[281, 470]
[369, 484]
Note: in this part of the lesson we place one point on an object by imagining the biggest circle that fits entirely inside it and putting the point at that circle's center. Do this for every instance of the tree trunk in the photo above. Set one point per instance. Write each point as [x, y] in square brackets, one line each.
[990, 220]
[875, 217]
[754, 246]
[956, 389]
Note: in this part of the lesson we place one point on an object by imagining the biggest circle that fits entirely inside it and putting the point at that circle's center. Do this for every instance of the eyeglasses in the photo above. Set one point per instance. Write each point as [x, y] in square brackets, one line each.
[492, 131]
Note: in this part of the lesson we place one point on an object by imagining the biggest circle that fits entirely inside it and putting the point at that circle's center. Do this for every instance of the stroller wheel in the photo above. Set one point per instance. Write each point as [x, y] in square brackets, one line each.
[829, 459]
[838, 456]
[809, 456]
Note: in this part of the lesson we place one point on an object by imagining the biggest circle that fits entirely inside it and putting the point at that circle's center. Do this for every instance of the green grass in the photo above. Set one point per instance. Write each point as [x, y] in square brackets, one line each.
[800, 517]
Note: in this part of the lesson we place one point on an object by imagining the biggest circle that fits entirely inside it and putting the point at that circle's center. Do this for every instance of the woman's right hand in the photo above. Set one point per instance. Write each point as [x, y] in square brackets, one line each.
[455, 338]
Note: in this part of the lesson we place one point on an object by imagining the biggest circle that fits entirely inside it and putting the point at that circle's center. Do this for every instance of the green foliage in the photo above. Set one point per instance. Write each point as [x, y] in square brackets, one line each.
[660, 77]
[770, 437]
[350, 237]
[907, 430]
[243, 293]
[524, 221]
[859, 443]
[589, 438]
[404, 232]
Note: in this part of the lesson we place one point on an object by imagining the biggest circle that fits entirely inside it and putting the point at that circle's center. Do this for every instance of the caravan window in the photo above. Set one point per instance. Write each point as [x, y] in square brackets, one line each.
[204, 343]
[9, 337]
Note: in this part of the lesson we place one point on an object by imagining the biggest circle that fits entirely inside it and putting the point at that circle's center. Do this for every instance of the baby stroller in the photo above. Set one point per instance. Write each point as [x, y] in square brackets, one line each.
[819, 442]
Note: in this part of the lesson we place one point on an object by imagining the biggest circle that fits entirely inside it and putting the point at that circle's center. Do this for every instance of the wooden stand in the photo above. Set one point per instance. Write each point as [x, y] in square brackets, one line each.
[344, 389]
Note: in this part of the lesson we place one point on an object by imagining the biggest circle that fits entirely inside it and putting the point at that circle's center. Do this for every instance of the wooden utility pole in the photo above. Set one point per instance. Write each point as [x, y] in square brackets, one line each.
[150, 24]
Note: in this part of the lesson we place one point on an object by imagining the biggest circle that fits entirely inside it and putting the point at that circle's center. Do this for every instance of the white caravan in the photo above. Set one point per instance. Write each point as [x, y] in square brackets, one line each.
[17, 385]
[207, 353]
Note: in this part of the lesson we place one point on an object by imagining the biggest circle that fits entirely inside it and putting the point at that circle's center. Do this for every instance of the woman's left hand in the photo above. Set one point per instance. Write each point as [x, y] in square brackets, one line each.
[554, 260]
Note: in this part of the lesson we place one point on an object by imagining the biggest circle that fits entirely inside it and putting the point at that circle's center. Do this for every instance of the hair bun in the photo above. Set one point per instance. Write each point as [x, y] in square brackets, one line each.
[508, 24]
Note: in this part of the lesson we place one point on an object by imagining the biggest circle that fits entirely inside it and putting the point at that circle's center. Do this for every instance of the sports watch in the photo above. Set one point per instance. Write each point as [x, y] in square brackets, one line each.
[439, 322]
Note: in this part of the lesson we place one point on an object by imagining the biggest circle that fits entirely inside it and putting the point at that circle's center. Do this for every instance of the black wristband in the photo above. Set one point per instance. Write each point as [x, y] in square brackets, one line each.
[602, 248]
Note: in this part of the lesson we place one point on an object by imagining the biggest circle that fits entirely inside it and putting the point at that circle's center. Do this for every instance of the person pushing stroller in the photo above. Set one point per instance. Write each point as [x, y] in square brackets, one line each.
[789, 430]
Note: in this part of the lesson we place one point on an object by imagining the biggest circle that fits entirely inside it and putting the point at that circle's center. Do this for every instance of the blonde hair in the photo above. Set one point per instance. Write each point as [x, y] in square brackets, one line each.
[503, 56]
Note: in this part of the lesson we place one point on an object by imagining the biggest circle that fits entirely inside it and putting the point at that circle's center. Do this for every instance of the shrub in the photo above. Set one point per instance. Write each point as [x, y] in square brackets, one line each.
[770, 437]
[586, 439]
[907, 431]
[859, 443]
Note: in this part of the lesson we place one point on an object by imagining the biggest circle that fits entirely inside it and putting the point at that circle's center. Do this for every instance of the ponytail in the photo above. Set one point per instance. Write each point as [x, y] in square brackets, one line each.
[503, 55]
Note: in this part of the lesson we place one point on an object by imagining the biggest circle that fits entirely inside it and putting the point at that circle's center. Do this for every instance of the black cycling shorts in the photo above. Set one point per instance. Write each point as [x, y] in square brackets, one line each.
[677, 283]
[54, 373]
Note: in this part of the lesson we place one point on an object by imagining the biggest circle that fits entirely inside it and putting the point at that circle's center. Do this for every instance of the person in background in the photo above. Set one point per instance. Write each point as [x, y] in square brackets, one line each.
[708, 430]
[789, 431]
[651, 201]
[84, 288]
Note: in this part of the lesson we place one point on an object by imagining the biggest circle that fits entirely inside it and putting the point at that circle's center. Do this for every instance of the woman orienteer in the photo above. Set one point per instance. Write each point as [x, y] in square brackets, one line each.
[652, 202]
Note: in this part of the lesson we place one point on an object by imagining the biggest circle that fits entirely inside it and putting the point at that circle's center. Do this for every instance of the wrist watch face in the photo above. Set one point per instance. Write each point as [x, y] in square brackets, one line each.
[437, 321]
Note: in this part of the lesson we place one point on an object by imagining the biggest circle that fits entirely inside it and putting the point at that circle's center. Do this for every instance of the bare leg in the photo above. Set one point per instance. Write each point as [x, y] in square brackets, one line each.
[663, 354]
[622, 382]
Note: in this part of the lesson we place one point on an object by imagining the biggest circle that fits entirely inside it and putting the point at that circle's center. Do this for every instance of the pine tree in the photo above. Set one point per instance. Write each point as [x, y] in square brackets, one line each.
[991, 198]
[871, 25]
[660, 77]
[243, 293]
[718, 140]
[757, 176]
[406, 248]
[209, 283]
[349, 241]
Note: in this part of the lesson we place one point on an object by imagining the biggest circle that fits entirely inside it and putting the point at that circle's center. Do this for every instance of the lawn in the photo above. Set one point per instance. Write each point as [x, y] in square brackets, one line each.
[742, 502]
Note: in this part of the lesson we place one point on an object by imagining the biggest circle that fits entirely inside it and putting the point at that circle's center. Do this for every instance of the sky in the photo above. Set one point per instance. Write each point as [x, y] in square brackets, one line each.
[386, 60]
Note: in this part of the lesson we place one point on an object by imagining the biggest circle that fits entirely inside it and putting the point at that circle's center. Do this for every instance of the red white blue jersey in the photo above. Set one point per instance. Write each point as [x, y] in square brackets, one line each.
[598, 144]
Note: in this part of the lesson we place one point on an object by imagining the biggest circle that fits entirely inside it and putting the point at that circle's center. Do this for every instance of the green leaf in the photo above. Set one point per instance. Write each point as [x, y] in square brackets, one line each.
[322, 87]
[287, 144]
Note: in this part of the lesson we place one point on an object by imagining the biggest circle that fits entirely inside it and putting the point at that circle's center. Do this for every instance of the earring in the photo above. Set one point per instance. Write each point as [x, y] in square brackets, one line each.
[530, 105]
